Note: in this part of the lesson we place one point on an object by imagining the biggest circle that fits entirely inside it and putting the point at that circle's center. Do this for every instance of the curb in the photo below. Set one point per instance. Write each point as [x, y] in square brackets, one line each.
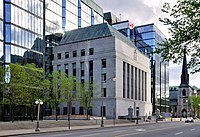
[108, 126]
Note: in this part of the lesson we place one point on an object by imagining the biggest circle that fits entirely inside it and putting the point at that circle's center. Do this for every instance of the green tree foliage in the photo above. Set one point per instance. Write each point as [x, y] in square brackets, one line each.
[1, 79]
[55, 95]
[195, 101]
[24, 88]
[86, 95]
[184, 27]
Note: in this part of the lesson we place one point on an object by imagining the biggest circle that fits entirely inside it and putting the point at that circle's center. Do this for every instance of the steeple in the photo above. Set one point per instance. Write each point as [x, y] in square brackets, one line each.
[184, 75]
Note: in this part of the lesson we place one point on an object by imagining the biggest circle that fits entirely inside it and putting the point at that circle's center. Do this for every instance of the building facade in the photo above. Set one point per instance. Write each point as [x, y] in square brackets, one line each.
[102, 53]
[147, 39]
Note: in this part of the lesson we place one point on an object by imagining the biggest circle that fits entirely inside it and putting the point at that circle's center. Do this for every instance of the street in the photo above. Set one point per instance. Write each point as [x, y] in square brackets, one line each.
[169, 129]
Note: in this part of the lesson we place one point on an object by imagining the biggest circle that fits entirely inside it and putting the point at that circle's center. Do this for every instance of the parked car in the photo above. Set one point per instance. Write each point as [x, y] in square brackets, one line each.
[189, 119]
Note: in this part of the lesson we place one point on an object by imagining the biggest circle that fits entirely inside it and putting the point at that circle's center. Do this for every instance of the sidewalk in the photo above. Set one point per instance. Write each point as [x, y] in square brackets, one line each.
[59, 129]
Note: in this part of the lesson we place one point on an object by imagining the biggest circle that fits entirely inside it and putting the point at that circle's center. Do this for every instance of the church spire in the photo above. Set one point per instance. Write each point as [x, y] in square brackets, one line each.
[184, 75]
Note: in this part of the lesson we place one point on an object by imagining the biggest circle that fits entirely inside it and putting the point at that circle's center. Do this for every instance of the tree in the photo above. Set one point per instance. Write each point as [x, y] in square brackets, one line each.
[1, 79]
[34, 85]
[184, 27]
[55, 95]
[24, 87]
[68, 92]
[195, 101]
[86, 95]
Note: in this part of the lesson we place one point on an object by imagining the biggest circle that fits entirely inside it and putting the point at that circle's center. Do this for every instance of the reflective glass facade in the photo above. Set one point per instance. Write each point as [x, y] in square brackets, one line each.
[151, 36]
[27, 22]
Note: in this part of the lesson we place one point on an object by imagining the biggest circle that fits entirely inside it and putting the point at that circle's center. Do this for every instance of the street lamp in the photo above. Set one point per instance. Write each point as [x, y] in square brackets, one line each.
[102, 122]
[38, 102]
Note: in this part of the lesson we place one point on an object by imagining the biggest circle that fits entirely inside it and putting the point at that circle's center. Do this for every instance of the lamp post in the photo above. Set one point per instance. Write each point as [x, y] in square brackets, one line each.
[102, 100]
[38, 102]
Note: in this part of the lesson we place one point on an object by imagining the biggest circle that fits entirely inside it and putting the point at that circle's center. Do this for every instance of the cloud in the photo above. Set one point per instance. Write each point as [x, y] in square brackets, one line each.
[142, 12]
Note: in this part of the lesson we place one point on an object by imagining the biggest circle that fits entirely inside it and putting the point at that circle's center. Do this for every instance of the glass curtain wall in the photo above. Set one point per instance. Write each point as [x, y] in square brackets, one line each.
[1, 31]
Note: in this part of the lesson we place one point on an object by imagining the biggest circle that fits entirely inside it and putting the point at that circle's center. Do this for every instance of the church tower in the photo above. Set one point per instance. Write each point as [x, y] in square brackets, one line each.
[185, 91]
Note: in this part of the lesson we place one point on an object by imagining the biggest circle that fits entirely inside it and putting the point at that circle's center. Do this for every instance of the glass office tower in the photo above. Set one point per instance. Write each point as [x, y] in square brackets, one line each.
[25, 23]
[152, 36]
[28, 26]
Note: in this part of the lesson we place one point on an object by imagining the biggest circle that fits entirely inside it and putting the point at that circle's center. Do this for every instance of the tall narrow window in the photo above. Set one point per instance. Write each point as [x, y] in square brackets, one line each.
[66, 69]
[132, 82]
[145, 87]
[82, 69]
[124, 80]
[184, 92]
[104, 111]
[104, 77]
[103, 61]
[128, 81]
[90, 71]
[58, 68]
[139, 81]
[136, 83]
[104, 92]
[74, 69]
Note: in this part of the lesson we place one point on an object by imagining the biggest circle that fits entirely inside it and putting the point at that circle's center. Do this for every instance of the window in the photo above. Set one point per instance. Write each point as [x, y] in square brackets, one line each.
[81, 110]
[136, 83]
[124, 79]
[90, 68]
[73, 111]
[66, 69]
[91, 51]
[128, 80]
[8, 12]
[58, 68]
[184, 92]
[66, 55]
[65, 111]
[104, 111]
[82, 69]
[74, 69]
[8, 33]
[75, 53]
[59, 55]
[103, 61]
[83, 52]
[104, 92]
[104, 77]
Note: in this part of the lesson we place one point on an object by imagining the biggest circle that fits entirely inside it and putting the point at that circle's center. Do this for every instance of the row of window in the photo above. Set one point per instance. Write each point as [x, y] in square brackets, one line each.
[74, 53]
[81, 111]
[134, 83]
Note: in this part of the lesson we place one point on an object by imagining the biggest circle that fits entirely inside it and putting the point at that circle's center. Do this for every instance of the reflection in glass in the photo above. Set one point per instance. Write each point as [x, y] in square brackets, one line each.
[7, 53]
[8, 33]
[8, 12]
[1, 9]
[1, 30]
[1, 51]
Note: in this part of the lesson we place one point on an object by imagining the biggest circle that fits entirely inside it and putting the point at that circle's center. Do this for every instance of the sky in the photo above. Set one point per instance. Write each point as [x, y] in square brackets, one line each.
[141, 12]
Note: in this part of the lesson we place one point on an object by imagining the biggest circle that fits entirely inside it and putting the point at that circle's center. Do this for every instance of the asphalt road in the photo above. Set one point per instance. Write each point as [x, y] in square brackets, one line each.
[174, 129]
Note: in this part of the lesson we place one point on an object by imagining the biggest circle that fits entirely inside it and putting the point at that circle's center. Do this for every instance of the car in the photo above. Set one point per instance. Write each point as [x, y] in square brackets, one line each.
[189, 120]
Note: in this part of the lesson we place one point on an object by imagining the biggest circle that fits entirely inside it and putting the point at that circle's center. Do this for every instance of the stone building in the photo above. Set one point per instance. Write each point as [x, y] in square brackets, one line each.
[100, 53]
